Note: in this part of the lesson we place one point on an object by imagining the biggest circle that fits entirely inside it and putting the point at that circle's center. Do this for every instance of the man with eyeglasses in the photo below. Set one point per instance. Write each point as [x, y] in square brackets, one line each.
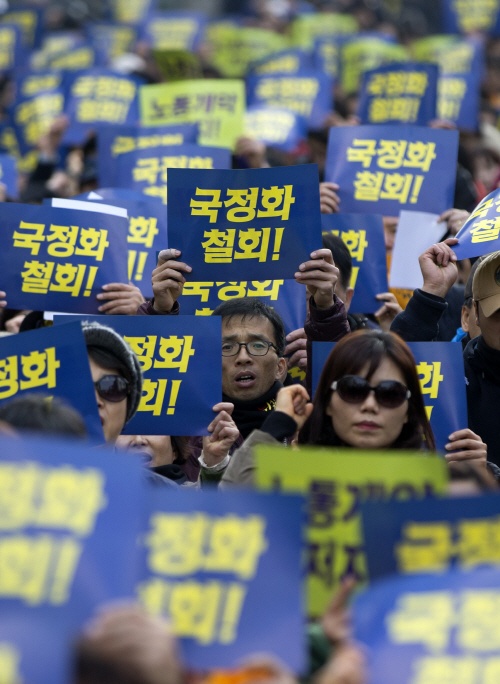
[253, 337]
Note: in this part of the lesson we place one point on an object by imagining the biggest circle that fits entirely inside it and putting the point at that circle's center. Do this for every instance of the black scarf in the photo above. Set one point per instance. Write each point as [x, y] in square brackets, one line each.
[249, 415]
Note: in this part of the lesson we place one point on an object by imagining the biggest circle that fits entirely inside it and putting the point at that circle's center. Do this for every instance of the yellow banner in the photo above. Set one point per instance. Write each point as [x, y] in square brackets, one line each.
[217, 106]
[336, 482]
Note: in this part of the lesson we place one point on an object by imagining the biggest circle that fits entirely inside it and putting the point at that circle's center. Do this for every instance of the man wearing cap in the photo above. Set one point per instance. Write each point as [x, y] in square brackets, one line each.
[482, 356]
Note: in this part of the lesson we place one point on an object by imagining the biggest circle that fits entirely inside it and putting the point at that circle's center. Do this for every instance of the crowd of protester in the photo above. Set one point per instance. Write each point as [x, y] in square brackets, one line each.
[368, 396]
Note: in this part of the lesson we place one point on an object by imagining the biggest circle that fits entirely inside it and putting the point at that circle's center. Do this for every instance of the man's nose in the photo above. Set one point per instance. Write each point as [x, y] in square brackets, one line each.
[243, 354]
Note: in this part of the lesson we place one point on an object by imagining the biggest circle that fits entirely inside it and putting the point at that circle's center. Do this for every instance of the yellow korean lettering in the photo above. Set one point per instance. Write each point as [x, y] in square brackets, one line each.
[153, 395]
[176, 543]
[71, 499]
[206, 207]
[174, 352]
[362, 151]
[142, 230]
[425, 618]
[144, 347]
[61, 240]
[218, 245]
[39, 369]
[425, 547]
[430, 378]
[235, 545]
[29, 236]
[242, 204]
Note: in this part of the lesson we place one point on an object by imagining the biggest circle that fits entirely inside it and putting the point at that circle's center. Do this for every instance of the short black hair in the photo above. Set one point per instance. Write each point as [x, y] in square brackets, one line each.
[251, 307]
[43, 413]
[341, 256]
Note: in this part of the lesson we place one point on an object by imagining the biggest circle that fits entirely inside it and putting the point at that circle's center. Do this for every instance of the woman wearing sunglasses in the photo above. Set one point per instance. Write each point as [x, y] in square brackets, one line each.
[368, 397]
[116, 375]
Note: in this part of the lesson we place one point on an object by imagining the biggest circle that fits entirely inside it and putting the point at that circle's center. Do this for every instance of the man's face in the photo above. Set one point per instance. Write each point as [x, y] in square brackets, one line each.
[245, 376]
[490, 327]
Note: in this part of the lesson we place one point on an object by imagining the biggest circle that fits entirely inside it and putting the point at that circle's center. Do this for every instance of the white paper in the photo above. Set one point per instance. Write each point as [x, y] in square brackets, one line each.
[81, 205]
[417, 230]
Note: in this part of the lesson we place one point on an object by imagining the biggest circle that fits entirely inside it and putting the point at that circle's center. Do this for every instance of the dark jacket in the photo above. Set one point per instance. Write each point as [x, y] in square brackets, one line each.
[482, 376]
[428, 317]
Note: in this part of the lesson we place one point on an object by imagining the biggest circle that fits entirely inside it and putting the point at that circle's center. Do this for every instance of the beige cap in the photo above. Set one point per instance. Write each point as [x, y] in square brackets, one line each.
[486, 284]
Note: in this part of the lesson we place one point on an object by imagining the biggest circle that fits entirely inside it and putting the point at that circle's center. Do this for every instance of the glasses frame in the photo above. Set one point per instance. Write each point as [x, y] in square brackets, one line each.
[245, 344]
[367, 388]
[117, 378]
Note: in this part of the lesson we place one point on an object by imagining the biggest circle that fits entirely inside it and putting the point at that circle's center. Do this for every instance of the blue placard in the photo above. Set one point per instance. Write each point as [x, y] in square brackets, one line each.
[430, 629]
[30, 21]
[216, 562]
[8, 175]
[364, 236]
[293, 61]
[411, 538]
[286, 296]
[148, 169]
[33, 112]
[442, 380]
[480, 234]
[459, 87]
[58, 259]
[100, 97]
[307, 93]
[71, 516]
[250, 223]
[12, 53]
[399, 93]
[181, 361]
[277, 128]
[49, 360]
[469, 18]
[110, 40]
[384, 169]
[118, 140]
[177, 30]
[147, 234]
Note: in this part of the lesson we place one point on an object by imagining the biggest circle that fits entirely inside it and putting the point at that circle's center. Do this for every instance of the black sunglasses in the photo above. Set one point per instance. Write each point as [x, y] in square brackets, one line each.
[354, 389]
[112, 388]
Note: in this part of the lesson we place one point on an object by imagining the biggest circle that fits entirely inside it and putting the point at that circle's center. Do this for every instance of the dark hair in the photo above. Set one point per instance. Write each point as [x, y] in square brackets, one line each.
[104, 358]
[349, 357]
[182, 448]
[251, 307]
[43, 413]
[341, 256]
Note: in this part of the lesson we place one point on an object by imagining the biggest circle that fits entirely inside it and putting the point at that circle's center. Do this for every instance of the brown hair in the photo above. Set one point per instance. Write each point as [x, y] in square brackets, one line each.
[349, 357]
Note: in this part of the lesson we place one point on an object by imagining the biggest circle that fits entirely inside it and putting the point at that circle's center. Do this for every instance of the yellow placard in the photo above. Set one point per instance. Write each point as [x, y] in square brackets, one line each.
[336, 481]
[216, 105]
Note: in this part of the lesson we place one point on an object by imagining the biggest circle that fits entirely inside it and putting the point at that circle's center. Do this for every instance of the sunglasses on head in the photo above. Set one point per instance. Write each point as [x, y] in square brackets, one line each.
[112, 388]
[354, 389]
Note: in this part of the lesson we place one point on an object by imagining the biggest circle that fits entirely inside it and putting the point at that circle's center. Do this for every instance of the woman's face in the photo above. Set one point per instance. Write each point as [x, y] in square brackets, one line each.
[157, 447]
[112, 414]
[368, 425]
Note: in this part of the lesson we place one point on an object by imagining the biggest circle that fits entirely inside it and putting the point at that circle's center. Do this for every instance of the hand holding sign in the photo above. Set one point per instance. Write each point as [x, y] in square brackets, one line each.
[120, 298]
[168, 280]
[465, 445]
[320, 276]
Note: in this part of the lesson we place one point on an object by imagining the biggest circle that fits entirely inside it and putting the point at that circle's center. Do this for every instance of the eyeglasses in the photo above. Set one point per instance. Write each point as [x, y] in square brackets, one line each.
[354, 390]
[254, 348]
[112, 388]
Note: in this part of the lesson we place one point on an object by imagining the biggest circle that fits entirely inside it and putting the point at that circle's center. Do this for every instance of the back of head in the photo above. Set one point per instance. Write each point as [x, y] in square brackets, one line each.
[252, 307]
[109, 350]
[362, 352]
[41, 413]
